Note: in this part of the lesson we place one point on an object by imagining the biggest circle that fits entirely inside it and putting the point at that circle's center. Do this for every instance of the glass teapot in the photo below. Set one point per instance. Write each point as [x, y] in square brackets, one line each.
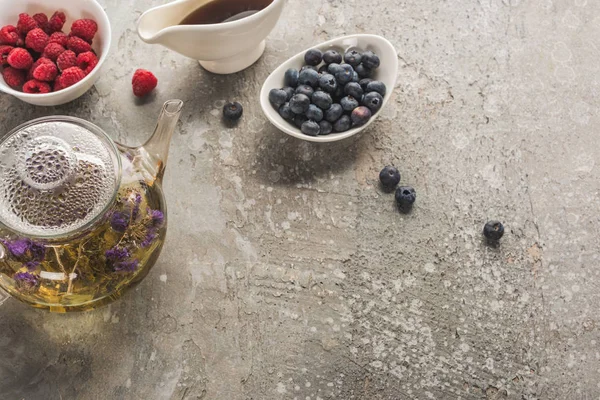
[82, 218]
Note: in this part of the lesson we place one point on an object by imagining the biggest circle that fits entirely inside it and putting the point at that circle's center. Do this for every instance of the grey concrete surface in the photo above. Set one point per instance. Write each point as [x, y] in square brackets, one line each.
[288, 274]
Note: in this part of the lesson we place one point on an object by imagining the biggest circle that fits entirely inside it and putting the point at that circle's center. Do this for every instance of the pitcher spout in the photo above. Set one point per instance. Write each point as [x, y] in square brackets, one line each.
[152, 24]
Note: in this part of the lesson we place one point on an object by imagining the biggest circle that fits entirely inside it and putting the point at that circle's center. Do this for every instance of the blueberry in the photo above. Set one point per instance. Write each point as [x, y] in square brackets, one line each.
[493, 230]
[313, 57]
[355, 77]
[290, 91]
[310, 128]
[342, 124]
[277, 97]
[309, 77]
[360, 116]
[376, 86]
[233, 111]
[353, 57]
[299, 103]
[314, 113]
[305, 89]
[334, 68]
[405, 197]
[364, 82]
[309, 67]
[286, 112]
[322, 100]
[345, 74]
[389, 177]
[339, 93]
[363, 71]
[349, 103]
[373, 101]
[370, 60]
[328, 83]
[353, 89]
[326, 127]
[334, 113]
[323, 69]
[299, 120]
[291, 77]
[332, 56]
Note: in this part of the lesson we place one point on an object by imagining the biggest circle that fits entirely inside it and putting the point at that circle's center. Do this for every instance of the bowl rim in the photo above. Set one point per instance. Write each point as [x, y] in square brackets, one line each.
[269, 111]
[105, 50]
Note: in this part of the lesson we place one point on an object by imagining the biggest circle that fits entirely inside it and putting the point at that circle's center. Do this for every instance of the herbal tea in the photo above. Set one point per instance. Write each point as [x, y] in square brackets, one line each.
[218, 11]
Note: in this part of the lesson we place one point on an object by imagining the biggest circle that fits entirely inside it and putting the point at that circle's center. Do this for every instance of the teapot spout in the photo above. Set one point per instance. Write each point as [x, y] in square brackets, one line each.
[156, 149]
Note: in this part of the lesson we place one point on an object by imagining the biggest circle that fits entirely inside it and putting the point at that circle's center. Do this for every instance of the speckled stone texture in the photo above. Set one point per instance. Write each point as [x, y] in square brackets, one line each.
[288, 273]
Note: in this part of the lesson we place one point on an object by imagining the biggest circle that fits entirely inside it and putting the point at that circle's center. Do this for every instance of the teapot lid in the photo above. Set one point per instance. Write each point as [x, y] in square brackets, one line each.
[57, 175]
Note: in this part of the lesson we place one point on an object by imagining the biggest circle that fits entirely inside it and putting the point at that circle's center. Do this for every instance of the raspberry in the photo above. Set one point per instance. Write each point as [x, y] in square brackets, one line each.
[19, 58]
[45, 72]
[13, 77]
[36, 40]
[66, 60]
[9, 35]
[84, 29]
[60, 38]
[34, 86]
[53, 50]
[41, 60]
[56, 22]
[78, 45]
[71, 76]
[26, 23]
[41, 20]
[4, 51]
[143, 82]
[58, 84]
[87, 61]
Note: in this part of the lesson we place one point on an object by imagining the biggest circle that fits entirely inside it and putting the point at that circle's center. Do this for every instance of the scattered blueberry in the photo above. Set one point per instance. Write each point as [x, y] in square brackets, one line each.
[342, 124]
[493, 230]
[322, 100]
[364, 82]
[277, 97]
[376, 86]
[291, 77]
[299, 119]
[370, 60]
[233, 111]
[332, 56]
[305, 89]
[286, 112]
[290, 91]
[353, 89]
[373, 101]
[299, 103]
[334, 113]
[345, 74]
[363, 71]
[360, 116]
[326, 127]
[314, 113]
[328, 83]
[349, 103]
[353, 57]
[389, 177]
[310, 128]
[313, 57]
[405, 197]
[309, 77]
[334, 68]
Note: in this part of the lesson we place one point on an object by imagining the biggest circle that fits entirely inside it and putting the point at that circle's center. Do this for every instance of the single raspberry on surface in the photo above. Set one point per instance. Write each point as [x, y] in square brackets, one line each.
[41, 20]
[13, 77]
[36, 40]
[78, 45]
[85, 29]
[10, 36]
[71, 76]
[46, 72]
[60, 38]
[66, 60]
[87, 61]
[19, 58]
[143, 82]
[4, 52]
[34, 86]
[26, 23]
[57, 21]
[41, 60]
[53, 50]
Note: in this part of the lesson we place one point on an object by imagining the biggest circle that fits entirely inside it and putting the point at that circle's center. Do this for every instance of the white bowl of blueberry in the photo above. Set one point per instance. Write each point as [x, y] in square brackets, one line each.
[332, 91]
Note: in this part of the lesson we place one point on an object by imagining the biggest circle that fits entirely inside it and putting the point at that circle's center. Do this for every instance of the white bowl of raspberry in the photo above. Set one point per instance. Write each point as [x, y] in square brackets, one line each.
[51, 51]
